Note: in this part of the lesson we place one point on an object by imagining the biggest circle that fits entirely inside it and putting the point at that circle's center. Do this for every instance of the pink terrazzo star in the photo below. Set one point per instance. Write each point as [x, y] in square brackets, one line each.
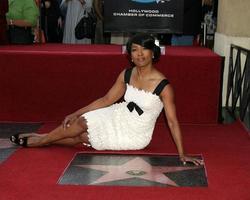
[5, 143]
[138, 168]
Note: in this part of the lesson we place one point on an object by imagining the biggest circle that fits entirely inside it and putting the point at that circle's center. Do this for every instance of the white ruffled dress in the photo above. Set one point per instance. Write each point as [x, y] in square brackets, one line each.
[117, 128]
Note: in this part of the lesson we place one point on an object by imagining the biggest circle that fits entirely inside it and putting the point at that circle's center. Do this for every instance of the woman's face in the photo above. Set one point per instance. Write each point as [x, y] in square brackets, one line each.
[141, 56]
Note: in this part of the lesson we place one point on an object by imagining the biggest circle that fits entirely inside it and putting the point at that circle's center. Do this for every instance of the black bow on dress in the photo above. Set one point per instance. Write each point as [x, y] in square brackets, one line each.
[131, 106]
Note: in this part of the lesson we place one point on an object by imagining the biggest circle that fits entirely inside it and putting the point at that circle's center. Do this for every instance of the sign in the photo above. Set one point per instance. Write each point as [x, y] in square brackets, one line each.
[154, 16]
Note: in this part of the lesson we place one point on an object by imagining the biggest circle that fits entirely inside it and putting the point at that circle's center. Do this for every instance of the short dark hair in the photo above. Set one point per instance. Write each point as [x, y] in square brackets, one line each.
[147, 41]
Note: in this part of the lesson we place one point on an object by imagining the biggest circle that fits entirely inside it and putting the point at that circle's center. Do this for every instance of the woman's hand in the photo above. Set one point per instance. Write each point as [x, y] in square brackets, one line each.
[207, 2]
[82, 2]
[196, 161]
[69, 120]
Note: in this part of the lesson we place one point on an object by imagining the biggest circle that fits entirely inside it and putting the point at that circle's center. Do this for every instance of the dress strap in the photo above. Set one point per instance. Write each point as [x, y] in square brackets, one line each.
[127, 74]
[160, 87]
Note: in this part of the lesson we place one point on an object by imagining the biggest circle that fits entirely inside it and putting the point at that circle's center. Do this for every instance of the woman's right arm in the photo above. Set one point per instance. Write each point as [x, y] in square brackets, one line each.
[98, 9]
[113, 95]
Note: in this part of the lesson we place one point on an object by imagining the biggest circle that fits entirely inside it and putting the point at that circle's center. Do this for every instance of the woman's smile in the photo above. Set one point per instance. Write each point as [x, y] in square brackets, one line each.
[140, 55]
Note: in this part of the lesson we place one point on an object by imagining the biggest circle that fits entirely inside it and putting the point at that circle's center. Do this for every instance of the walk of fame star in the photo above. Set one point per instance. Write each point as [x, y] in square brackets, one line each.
[5, 143]
[7, 129]
[6, 149]
[136, 167]
[132, 170]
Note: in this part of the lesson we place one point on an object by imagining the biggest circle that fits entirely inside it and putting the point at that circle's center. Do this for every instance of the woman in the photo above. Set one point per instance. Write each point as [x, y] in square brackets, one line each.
[51, 20]
[22, 18]
[121, 126]
[76, 9]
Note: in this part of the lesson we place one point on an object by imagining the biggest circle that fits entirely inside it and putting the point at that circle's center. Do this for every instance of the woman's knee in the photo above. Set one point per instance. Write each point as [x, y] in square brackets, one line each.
[81, 121]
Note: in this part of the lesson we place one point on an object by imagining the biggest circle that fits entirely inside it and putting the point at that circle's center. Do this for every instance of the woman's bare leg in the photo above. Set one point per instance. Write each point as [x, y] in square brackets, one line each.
[77, 129]
[68, 141]
[81, 139]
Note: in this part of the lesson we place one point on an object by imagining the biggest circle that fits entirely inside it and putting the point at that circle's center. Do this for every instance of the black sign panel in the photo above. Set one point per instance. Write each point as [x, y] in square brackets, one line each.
[154, 16]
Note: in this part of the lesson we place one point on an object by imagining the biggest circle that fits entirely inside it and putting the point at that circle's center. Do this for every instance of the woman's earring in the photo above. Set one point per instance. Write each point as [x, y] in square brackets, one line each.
[132, 60]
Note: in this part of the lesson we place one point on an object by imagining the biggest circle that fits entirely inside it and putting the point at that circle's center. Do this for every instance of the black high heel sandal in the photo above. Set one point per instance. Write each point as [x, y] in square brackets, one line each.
[14, 138]
[23, 141]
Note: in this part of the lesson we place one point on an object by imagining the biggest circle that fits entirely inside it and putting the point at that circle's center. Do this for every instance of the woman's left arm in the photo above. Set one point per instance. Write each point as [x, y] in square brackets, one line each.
[167, 96]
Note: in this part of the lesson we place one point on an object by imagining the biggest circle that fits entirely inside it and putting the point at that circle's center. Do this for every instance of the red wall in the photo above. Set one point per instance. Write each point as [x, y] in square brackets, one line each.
[45, 83]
